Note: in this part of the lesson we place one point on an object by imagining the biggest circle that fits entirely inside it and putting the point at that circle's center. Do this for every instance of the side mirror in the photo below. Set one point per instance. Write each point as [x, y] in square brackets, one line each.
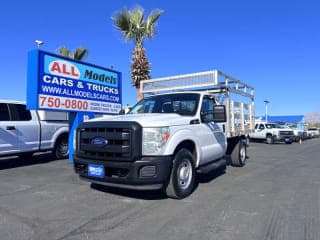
[219, 114]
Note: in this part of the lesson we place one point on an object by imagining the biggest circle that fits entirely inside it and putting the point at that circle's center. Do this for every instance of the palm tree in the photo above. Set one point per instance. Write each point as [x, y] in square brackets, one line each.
[78, 54]
[135, 27]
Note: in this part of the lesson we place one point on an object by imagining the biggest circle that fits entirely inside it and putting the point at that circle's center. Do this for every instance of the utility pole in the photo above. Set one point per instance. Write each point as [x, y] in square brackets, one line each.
[266, 104]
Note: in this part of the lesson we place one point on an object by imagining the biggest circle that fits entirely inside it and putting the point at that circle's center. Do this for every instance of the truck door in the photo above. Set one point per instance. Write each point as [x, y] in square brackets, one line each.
[261, 131]
[8, 137]
[27, 127]
[212, 139]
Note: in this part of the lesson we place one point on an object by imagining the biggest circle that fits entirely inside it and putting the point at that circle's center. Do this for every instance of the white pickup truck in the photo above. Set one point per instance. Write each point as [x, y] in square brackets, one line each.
[313, 132]
[271, 133]
[166, 138]
[24, 132]
[298, 133]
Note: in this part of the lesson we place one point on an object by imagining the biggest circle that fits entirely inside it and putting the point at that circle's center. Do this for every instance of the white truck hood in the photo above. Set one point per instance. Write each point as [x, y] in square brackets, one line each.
[149, 119]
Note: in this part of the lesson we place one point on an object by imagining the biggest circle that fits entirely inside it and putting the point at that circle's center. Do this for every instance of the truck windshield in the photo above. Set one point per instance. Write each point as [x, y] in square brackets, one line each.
[272, 125]
[181, 103]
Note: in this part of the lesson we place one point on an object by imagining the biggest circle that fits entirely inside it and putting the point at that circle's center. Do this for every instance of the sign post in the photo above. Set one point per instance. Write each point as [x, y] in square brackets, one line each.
[75, 118]
[62, 84]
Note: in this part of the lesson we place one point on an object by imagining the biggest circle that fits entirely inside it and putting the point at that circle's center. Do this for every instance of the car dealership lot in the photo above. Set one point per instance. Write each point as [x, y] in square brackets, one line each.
[275, 196]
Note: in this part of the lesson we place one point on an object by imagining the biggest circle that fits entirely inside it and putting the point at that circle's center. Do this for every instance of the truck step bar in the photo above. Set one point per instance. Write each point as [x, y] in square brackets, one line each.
[221, 163]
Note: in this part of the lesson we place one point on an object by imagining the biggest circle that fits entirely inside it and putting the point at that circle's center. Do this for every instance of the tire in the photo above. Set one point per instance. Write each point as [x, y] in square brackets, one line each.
[239, 154]
[270, 140]
[182, 177]
[61, 148]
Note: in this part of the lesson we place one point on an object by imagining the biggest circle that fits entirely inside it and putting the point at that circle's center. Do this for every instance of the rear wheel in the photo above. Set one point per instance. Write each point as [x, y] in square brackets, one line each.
[239, 154]
[61, 149]
[182, 177]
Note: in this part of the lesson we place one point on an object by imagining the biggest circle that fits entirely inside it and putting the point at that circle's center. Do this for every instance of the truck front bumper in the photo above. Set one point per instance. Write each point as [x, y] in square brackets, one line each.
[148, 173]
[284, 138]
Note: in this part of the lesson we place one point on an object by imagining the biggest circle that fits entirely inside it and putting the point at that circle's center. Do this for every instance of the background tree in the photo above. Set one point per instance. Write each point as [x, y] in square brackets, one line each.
[135, 27]
[78, 54]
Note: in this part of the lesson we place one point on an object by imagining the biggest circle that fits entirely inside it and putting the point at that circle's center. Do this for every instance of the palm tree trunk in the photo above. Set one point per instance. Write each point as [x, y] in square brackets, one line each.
[139, 94]
[140, 68]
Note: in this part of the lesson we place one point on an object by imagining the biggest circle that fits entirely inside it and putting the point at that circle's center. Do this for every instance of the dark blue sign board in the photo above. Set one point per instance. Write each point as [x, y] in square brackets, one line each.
[62, 84]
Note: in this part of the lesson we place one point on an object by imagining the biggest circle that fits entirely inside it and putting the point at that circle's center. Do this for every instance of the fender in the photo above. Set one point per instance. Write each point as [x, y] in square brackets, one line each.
[58, 133]
[180, 136]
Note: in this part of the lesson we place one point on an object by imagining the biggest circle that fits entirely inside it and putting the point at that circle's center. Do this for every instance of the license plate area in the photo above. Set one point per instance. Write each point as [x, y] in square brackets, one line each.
[96, 171]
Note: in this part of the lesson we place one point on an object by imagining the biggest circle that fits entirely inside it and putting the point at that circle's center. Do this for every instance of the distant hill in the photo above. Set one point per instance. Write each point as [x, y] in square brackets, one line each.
[313, 117]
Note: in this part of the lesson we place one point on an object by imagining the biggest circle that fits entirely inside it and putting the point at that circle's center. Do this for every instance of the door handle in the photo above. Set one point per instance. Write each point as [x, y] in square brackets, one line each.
[11, 128]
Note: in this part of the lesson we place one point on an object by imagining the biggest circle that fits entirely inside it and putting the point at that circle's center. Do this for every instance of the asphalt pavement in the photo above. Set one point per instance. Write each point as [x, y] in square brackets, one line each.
[275, 196]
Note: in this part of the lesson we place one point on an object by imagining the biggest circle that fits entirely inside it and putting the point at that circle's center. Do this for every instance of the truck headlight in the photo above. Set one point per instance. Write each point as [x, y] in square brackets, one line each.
[154, 140]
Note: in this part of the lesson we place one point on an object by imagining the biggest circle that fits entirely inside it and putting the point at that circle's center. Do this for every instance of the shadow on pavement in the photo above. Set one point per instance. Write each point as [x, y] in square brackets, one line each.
[15, 162]
[206, 178]
[155, 195]
[144, 195]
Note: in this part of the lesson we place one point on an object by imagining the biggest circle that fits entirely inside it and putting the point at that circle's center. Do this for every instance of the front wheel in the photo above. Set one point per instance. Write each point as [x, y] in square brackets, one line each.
[270, 139]
[182, 177]
[61, 149]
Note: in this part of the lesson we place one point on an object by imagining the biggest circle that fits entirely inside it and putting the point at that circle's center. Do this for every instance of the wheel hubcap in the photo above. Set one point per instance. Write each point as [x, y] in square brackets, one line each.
[184, 174]
[63, 148]
[242, 154]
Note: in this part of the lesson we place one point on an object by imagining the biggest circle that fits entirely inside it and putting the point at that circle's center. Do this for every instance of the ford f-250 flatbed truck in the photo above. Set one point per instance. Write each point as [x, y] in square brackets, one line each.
[169, 135]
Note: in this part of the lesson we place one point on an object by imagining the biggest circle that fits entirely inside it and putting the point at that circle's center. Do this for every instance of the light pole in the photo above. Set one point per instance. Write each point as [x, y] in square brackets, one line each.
[266, 102]
[39, 43]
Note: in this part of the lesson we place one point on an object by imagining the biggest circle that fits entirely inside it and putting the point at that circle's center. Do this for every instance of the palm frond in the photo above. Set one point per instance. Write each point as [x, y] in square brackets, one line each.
[151, 22]
[80, 53]
[137, 24]
[122, 22]
[64, 51]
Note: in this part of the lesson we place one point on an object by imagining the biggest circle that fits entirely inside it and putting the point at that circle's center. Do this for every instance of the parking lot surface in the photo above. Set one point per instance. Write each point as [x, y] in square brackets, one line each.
[275, 196]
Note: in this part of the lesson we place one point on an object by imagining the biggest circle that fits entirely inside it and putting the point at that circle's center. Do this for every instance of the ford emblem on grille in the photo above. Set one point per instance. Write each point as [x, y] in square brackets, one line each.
[99, 141]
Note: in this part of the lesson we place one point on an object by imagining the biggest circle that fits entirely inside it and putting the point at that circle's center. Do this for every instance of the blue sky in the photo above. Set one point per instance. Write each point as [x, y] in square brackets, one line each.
[271, 45]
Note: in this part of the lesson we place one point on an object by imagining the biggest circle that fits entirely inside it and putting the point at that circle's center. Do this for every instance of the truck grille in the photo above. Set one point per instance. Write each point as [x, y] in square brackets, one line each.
[286, 133]
[123, 141]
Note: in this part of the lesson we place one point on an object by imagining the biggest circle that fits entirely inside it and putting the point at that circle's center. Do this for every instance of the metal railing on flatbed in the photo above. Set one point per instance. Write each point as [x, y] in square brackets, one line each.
[237, 96]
